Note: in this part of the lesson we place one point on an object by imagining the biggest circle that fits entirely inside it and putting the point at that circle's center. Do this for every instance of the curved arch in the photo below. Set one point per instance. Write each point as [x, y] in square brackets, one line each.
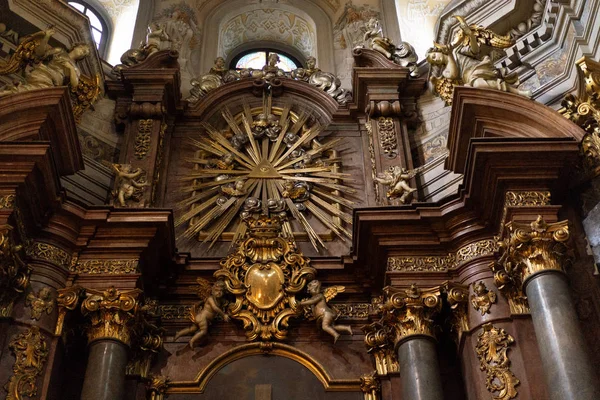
[199, 384]
[486, 113]
[107, 23]
[216, 12]
[266, 44]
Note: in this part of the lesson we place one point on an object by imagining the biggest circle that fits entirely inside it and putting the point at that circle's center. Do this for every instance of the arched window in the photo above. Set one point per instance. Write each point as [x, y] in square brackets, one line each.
[257, 58]
[99, 26]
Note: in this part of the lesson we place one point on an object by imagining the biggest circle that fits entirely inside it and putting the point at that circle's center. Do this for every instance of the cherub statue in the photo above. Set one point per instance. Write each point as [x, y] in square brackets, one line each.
[235, 189]
[303, 74]
[125, 182]
[42, 65]
[271, 70]
[482, 299]
[320, 310]
[297, 191]
[42, 302]
[463, 62]
[403, 54]
[212, 304]
[396, 178]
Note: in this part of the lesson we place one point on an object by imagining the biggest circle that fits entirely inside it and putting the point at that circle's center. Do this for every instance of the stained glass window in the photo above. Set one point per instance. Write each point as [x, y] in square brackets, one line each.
[258, 58]
[97, 25]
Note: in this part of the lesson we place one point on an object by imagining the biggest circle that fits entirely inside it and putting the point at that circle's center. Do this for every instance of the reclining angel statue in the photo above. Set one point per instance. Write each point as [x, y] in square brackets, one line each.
[43, 66]
[464, 63]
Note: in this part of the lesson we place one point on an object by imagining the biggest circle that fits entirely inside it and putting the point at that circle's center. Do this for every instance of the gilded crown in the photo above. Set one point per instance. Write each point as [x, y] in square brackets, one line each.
[264, 226]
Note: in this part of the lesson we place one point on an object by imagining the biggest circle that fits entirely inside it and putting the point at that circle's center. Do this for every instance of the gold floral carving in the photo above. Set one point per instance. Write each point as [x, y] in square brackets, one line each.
[40, 302]
[474, 250]
[492, 347]
[66, 300]
[411, 311]
[265, 274]
[112, 267]
[370, 386]
[50, 253]
[157, 387]
[482, 298]
[7, 201]
[421, 263]
[141, 144]
[111, 313]
[353, 310]
[442, 263]
[523, 199]
[585, 112]
[458, 299]
[379, 339]
[14, 273]
[369, 128]
[526, 251]
[31, 352]
[387, 136]
[146, 343]
[84, 95]
[170, 312]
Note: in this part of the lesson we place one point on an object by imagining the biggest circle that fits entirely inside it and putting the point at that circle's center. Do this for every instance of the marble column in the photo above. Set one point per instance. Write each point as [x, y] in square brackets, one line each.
[111, 315]
[411, 316]
[531, 259]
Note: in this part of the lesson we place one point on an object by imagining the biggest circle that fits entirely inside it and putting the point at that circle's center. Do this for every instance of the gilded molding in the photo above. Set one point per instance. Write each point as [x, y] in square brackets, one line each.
[458, 299]
[50, 253]
[585, 112]
[14, 273]
[379, 339]
[492, 347]
[31, 352]
[411, 311]
[387, 136]
[66, 300]
[7, 201]
[157, 387]
[526, 251]
[353, 310]
[112, 313]
[40, 302]
[177, 311]
[141, 145]
[109, 267]
[481, 248]
[370, 386]
[482, 298]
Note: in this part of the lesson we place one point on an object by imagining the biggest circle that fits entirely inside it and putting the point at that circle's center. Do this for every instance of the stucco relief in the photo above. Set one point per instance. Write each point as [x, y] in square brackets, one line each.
[268, 24]
[115, 8]
[351, 26]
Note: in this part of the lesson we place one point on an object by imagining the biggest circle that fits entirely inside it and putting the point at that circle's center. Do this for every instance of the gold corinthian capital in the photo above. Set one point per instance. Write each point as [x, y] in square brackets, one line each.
[528, 250]
[111, 313]
[410, 311]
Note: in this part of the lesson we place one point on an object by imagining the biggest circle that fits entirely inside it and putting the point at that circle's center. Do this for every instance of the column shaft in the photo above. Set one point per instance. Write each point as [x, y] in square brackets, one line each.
[569, 373]
[105, 372]
[419, 370]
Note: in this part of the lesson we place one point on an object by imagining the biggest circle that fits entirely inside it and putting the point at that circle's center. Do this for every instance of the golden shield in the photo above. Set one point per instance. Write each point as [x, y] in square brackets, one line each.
[265, 285]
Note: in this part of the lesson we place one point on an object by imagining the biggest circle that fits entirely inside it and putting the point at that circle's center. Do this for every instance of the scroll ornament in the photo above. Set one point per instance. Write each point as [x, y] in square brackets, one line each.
[492, 347]
[31, 352]
[464, 63]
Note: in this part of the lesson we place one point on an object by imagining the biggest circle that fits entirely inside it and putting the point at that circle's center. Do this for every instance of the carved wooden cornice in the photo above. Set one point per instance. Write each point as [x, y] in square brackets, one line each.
[494, 160]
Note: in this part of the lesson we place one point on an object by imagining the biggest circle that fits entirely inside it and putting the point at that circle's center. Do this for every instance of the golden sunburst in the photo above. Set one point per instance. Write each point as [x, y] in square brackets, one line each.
[269, 161]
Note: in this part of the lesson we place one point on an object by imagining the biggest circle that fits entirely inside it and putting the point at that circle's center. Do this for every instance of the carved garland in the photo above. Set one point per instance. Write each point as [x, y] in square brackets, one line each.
[387, 137]
[142, 138]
